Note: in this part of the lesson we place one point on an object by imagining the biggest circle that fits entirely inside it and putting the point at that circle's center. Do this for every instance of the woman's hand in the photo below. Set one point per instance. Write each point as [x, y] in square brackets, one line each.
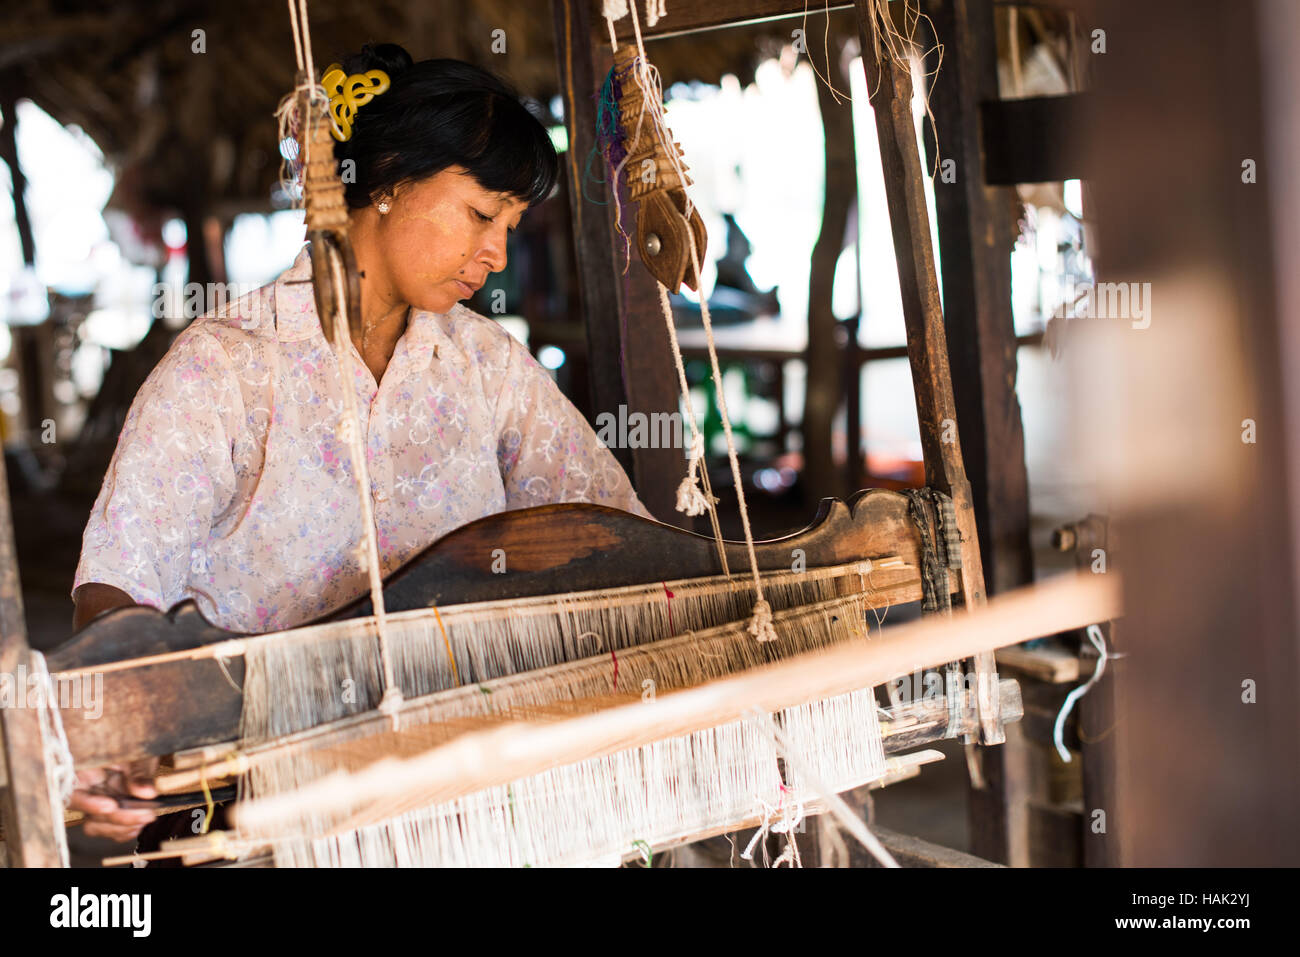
[101, 793]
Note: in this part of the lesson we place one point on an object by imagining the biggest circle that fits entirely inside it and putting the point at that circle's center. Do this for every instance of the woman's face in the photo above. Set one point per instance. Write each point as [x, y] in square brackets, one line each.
[441, 238]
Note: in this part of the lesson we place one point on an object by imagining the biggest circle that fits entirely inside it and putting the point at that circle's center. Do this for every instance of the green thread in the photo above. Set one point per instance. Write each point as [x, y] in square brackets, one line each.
[648, 853]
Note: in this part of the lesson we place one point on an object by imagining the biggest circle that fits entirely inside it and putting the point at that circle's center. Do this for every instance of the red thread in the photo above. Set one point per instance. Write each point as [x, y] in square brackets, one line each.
[671, 630]
[615, 657]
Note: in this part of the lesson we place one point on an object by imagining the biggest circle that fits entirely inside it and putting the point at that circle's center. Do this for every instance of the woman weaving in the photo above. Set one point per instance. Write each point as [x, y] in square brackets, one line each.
[230, 484]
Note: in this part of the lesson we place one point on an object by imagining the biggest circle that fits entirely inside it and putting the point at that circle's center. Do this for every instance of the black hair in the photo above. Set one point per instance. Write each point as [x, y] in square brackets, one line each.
[441, 113]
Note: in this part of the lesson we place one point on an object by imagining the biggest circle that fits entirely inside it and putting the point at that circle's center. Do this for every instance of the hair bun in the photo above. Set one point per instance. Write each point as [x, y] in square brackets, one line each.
[389, 57]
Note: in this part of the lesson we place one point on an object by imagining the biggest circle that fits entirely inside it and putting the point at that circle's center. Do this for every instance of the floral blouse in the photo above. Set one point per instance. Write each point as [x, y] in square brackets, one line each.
[231, 486]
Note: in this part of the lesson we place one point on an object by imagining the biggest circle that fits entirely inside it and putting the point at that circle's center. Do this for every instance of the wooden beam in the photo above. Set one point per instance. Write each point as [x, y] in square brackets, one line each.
[911, 851]
[927, 343]
[481, 759]
[975, 240]
[9, 153]
[28, 816]
[630, 358]
[976, 236]
[684, 17]
[1217, 784]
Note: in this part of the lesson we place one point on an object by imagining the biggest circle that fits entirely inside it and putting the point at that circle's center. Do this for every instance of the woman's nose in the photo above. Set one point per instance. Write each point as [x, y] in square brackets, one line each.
[494, 251]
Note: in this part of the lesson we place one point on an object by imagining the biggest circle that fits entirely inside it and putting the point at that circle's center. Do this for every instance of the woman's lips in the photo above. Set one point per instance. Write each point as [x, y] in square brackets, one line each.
[465, 290]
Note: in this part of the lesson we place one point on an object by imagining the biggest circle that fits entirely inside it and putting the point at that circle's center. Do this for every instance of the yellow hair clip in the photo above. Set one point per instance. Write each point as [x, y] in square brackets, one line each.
[348, 94]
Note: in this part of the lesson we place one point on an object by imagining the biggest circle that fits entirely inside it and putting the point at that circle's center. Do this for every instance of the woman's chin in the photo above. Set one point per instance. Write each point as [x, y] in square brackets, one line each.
[438, 302]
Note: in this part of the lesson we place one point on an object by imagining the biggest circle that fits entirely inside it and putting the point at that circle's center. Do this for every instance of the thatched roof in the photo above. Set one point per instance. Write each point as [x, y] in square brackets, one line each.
[185, 128]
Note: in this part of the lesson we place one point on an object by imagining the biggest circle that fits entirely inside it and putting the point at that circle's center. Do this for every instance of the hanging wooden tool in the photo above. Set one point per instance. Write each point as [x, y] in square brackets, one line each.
[655, 181]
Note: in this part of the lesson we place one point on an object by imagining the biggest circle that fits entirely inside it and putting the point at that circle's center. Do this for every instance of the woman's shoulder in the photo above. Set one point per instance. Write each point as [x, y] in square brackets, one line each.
[466, 326]
[231, 334]
[478, 339]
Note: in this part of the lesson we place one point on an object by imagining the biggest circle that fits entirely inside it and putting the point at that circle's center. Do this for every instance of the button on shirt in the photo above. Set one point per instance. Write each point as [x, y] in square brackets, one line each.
[231, 485]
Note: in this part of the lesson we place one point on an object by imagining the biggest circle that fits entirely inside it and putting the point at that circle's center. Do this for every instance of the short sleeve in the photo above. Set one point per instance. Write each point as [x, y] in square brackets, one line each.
[546, 450]
[171, 473]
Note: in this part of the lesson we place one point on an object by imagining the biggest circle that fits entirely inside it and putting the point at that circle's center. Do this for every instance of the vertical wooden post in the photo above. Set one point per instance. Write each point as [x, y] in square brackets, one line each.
[927, 345]
[975, 240]
[30, 827]
[1206, 515]
[9, 153]
[823, 357]
[621, 311]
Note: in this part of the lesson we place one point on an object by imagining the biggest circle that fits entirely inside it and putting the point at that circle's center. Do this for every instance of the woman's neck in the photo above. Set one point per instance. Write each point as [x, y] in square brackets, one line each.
[383, 313]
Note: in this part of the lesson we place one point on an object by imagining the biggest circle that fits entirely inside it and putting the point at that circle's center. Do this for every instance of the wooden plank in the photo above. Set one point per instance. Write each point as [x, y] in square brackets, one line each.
[687, 17]
[592, 235]
[1207, 515]
[911, 851]
[975, 240]
[927, 344]
[630, 360]
[481, 759]
[29, 819]
[976, 236]
[1051, 663]
[548, 549]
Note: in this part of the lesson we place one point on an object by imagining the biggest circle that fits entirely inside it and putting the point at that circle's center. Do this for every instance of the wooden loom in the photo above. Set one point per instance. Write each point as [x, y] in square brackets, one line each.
[172, 682]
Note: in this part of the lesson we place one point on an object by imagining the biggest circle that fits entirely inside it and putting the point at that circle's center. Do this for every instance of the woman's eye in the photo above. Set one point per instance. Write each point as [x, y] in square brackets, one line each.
[486, 219]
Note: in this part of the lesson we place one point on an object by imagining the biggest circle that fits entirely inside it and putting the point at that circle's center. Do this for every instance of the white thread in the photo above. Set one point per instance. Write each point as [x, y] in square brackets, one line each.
[647, 77]
[1058, 731]
[392, 699]
[835, 805]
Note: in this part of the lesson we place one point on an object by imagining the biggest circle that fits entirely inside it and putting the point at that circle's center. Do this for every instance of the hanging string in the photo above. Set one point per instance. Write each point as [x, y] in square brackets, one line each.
[1058, 730]
[761, 623]
[350, 431]
[690, 499]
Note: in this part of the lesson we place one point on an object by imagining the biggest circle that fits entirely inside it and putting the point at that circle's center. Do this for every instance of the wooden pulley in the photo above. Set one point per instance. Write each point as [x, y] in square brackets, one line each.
[657, 185]
[663, 241]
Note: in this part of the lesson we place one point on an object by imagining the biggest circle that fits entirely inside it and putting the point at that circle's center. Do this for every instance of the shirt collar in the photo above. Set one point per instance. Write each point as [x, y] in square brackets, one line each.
[296, 319]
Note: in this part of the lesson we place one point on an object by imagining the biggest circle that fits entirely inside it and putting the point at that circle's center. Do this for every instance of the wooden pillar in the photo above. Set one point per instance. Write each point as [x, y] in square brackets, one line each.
[823, 390]
[29, 822]
[630, 359]
[1204, 503]
[975, 240]
[9, 153]
[927, 345]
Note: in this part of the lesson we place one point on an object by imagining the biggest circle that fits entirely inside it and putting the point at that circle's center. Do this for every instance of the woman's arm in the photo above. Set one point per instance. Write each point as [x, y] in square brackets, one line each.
[99, 789]
[93, 599]
[546, 450]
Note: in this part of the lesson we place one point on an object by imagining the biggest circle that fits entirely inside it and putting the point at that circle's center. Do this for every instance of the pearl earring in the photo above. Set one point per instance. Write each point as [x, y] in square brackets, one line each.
[383, 206]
